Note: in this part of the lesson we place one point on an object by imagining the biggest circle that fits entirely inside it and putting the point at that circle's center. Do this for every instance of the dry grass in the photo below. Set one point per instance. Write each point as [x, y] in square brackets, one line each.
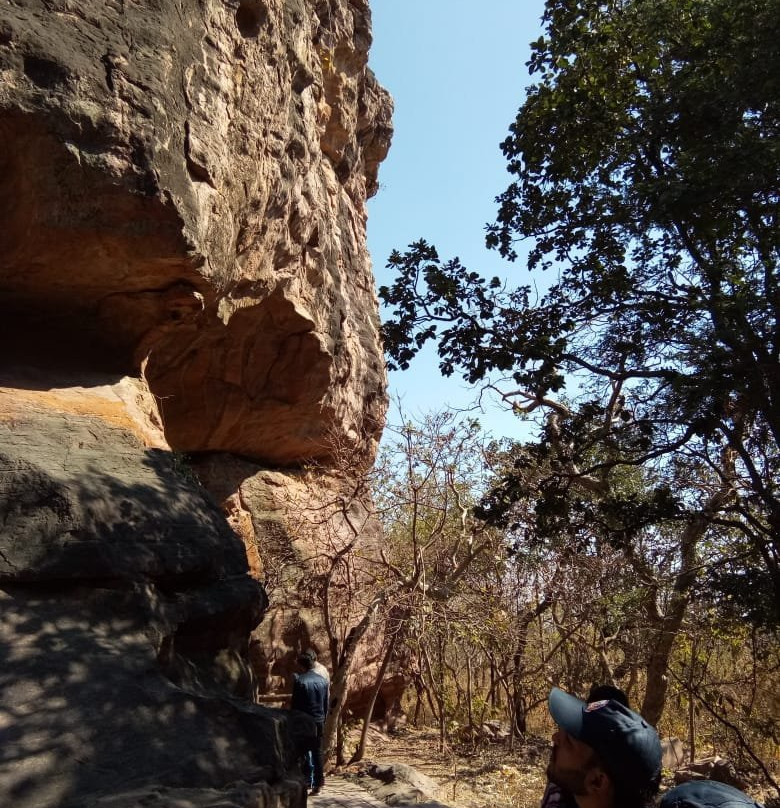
[492, 776]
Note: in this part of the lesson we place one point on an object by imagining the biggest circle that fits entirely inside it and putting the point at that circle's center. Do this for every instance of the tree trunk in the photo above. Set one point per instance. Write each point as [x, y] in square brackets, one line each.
[469, 696]
[518, 674]
[340, 743]
[691, 704]
[380, 677]
[340, 679]
[418, 689]
[668, 626]
[435, 694]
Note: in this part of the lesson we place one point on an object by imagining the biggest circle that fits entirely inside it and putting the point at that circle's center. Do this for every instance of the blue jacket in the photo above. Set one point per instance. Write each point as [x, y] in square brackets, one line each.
[310, 695]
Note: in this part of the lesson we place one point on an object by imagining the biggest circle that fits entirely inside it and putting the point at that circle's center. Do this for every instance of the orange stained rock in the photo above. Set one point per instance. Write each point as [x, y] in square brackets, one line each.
[105, 405]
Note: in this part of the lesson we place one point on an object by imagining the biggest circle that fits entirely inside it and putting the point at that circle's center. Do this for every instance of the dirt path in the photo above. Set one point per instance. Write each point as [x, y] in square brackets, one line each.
[340, 792]
[492, 777]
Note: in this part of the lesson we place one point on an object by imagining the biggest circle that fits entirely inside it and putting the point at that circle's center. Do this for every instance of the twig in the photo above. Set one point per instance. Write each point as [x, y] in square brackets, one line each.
[734, 729]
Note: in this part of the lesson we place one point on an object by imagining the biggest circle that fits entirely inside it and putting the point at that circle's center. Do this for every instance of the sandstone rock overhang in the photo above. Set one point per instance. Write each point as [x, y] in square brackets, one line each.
[184, 188]
[182, 267]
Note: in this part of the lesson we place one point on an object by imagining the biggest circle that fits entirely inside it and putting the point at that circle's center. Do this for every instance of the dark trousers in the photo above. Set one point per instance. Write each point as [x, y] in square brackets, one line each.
[312, 759]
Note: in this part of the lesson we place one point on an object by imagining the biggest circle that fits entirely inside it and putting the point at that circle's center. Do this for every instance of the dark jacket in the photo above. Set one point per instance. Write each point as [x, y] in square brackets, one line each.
[310, 695]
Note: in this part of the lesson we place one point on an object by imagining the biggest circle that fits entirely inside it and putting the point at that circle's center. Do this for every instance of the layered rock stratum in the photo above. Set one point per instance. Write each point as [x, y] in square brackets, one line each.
[188, 323]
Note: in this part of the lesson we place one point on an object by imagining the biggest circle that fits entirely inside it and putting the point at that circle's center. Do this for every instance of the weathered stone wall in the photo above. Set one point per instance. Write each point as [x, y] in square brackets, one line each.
[185, 188]
[315, 543]
[183, 269]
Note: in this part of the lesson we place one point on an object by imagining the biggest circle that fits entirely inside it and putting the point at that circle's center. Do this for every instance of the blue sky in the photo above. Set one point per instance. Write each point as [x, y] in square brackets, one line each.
[456, 70]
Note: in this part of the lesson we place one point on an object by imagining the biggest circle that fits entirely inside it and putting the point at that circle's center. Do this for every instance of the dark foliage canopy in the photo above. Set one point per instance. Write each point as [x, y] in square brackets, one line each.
[645, 166]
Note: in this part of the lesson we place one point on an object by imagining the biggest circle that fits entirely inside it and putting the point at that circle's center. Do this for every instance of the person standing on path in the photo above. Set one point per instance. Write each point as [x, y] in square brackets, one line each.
[604, 754]
[310, 696]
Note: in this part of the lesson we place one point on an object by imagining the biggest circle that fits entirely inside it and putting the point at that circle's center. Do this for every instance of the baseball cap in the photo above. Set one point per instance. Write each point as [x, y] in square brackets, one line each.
[624, 741]
[707, 794]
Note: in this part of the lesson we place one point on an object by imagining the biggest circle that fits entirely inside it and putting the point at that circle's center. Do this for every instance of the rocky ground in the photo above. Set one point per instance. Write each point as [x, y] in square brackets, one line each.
[492, 775]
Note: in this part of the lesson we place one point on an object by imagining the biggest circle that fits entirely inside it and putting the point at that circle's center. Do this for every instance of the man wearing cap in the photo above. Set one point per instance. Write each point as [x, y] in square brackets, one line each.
[604, 754]
[557, 797]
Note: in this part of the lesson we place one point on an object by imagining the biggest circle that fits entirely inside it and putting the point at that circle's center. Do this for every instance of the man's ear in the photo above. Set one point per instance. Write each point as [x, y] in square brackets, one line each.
[597, 782]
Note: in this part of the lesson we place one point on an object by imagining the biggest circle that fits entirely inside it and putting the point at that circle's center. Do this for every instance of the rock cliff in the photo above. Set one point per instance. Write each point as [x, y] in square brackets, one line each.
[186, 293]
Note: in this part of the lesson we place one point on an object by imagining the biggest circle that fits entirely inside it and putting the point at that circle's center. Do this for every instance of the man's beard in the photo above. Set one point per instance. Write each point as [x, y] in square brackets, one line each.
[571, 780]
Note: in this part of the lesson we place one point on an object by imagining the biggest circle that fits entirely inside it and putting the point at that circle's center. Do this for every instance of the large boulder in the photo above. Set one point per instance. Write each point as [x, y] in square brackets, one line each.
[126, 612]
[183, 271]
[183, 188]
[88, 710]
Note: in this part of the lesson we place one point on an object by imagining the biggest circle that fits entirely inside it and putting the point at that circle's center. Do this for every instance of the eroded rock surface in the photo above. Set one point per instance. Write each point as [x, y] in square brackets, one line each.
[317, 545]
[88, 712]
[183, 269]
[126, 611]
[183, 188]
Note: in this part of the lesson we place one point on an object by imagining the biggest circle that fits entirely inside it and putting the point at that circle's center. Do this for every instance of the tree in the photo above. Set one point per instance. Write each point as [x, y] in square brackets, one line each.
[615, 512]
[425, 483]
[360, 576]
[646, 168]
[324, 565]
